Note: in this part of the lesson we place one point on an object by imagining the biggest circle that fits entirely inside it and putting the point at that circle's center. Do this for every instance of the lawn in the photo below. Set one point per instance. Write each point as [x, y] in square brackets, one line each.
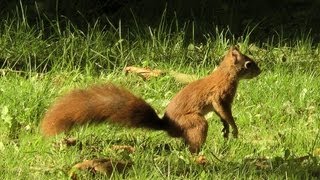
[277, 113]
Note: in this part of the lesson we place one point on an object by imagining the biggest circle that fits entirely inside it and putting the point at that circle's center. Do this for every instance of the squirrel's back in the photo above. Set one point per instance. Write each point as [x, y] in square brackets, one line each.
[97, 104]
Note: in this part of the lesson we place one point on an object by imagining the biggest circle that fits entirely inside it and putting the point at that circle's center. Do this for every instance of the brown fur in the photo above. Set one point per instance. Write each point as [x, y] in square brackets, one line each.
[97, 104]
[215, 93]
[184, 116]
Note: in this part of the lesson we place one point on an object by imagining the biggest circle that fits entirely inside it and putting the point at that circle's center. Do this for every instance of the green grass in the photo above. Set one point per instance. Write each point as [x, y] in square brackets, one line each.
[277, 113]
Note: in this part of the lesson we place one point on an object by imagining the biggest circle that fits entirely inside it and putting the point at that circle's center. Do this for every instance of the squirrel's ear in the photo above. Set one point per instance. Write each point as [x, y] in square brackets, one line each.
[234, 47]
[235, 53]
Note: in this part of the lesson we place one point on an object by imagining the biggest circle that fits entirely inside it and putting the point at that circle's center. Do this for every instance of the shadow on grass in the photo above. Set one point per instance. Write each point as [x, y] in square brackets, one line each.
[289, 166]
[304, 167]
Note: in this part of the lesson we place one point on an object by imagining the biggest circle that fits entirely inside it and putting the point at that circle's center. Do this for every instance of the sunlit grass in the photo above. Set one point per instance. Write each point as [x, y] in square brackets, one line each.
[277, 113]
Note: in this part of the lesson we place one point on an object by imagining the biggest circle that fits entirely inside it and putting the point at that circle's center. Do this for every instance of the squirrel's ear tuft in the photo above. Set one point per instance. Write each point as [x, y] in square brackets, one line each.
[235, 53]
[234, 48]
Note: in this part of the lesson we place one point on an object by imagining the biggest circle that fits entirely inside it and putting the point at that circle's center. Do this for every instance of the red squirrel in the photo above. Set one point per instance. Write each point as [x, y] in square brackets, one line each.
[184, 115]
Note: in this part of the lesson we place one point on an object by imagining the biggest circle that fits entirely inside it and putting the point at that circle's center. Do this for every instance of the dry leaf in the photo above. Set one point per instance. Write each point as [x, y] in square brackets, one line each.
[145, 73]
[260, 163]
[130, 149]
[202, 160]
[70, 141]
[183, 78]
[67, 142]
[103, 166]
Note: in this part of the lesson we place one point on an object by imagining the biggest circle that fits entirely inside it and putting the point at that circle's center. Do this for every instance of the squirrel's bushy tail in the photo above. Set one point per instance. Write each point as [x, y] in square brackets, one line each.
[54, 124]
[67, 111]
[98, 104]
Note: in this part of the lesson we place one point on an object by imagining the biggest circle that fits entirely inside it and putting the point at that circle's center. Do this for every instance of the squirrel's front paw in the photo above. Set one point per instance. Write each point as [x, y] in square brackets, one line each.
[225, 131]
[235, 133]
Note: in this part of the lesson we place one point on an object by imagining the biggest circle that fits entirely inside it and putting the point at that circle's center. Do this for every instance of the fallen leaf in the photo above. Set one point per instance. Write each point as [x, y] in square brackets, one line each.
[103, 166]
[202, 160]
[130, 149]
[70, 141]
[260, 163]
[145, 73]
[67, 142]
[183, 78]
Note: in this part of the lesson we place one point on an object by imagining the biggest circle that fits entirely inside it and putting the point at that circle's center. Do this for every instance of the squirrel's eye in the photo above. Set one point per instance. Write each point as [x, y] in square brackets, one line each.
[248, 64]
